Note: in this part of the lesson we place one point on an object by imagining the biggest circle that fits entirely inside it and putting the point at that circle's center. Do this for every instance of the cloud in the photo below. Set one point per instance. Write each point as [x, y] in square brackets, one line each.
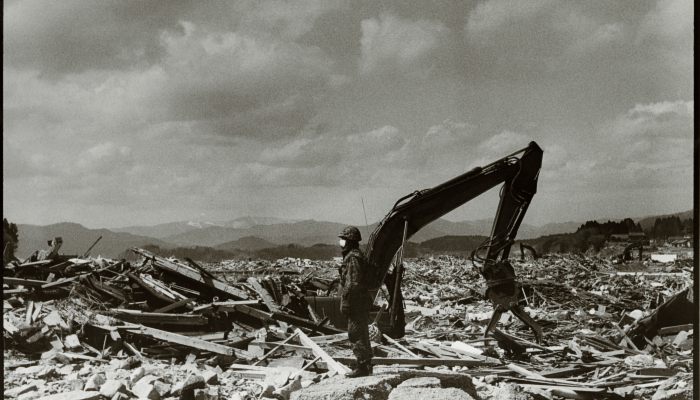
[669, 23]
[290, 19]
[240, 85]
[447, 134]
[395, 43]
[490, 16]
[104, 157]
[652, 146]
[75, 36]
[72, 36]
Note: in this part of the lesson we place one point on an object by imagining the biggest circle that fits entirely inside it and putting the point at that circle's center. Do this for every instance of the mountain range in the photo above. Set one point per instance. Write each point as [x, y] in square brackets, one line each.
[253, 234]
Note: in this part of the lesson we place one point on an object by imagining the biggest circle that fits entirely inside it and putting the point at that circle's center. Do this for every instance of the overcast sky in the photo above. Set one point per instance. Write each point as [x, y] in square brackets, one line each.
[124, 113]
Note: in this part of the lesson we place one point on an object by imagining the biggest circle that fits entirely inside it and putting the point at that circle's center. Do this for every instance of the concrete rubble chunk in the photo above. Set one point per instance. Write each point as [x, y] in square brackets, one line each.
[210, 376]
[209, 393]
[185, 388]
[144, 390]
[54, 319]
[111, 387]
[162, 388]
[340, 388]
[286, 391]
[137, 374]
[147, 379]
[29, 395]
[73, 395]
[14, 392]
[129, 363]
[422, 393]
[95, 382]
[426, 382]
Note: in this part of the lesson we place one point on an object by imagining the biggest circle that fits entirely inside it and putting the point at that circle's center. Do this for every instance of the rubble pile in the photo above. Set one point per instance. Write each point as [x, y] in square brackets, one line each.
[88, 328]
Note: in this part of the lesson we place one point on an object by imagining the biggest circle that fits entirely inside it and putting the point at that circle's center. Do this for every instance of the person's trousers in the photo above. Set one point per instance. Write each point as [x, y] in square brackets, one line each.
[358, 334]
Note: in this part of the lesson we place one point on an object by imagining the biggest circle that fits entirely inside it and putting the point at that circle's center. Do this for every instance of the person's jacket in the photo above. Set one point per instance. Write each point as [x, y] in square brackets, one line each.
[353, 281]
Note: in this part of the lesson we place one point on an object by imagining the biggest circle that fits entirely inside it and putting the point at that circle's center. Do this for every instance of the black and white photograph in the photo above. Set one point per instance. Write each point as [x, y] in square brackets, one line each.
[349, 199]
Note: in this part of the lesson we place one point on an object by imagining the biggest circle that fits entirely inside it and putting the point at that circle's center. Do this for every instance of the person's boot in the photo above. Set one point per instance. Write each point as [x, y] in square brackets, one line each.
[364, 369]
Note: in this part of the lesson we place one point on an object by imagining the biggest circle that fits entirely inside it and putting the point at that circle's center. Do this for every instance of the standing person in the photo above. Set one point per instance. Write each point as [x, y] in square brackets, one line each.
[355, 299]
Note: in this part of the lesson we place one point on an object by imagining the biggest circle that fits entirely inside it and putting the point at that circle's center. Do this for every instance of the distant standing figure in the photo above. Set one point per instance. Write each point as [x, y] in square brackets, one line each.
[355, 299]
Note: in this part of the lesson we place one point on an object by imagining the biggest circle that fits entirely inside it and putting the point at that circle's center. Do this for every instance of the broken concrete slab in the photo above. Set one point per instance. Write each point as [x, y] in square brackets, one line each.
[144, 390]
[422, 393]
[14, 392]
[341, 388]
[111, 387]
[423, 382]
[95, 382]
[73, 395]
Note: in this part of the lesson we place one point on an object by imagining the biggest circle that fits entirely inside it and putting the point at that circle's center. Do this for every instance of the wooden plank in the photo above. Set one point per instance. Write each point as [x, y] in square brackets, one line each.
[264, 295]
[15, 291]
[60, 282]
[132, 349]
[76, 356]
[189, 342]
[312, 362]
[19, 281]
[266, 298]
[319, 352]
[37, 310]
[669, 330]
[400, 346]
[281, 316]
[293, 347]
[565, 391]
[448, 362]
[338, 337]
[35, 263]
[192, 274]
[174, 305]
[269, 353]
[29, 312]
[224, 305]
[564, 372]
[160, 318]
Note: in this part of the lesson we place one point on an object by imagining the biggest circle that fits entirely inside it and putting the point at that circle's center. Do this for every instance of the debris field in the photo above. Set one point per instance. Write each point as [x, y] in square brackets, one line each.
[157, 328]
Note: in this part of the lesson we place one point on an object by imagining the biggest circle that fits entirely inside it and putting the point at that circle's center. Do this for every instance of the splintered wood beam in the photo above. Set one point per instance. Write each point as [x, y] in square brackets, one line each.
[400, 346]
[448, 362]
[192, 274]
[189, 342]
[174, 305]
[224, 306]
[160, 318]
[284, 317]
[19, 281]
[279, 346]
[319, 352]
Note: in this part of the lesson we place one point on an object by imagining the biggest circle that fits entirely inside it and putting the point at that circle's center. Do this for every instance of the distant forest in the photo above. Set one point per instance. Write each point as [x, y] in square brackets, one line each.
[593, 234]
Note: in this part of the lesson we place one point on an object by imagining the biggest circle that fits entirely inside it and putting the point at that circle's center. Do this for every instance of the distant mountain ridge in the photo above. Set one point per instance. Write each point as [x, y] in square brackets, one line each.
[165, 230]
[77, 239]
[254, 234]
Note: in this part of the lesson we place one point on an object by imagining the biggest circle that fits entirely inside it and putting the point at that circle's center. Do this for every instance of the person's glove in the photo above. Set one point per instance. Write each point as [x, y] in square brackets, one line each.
[345, 309]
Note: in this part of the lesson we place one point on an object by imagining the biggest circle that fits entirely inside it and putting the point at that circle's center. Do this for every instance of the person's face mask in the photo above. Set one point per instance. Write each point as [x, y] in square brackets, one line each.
[341, 242]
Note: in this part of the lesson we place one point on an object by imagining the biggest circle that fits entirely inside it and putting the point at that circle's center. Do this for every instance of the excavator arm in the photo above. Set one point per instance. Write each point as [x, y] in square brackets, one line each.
[412, 212]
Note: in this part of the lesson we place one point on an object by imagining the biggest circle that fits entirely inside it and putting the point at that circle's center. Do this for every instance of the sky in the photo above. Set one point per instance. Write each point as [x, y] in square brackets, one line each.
[126, 112]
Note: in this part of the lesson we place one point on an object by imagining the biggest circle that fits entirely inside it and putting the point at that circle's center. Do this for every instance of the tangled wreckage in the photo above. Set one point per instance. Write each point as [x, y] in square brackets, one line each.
[79, 327]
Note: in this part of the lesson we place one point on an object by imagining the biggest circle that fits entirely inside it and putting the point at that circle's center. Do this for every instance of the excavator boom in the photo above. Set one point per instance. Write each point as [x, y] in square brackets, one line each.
[423, 207]
[414, 211]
